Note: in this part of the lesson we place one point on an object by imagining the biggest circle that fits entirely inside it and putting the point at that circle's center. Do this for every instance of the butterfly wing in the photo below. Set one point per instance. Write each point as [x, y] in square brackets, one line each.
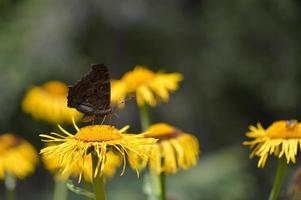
[91, 95]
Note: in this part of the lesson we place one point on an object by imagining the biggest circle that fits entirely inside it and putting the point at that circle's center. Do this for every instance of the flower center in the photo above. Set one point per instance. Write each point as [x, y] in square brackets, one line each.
[56, 88]
[162, 131]
[98, 133]
[8, 141]
[138, 77]
[284, 129]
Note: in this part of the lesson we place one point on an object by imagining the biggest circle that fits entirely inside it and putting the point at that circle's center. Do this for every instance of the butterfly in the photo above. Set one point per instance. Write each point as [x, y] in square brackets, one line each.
[91, 95]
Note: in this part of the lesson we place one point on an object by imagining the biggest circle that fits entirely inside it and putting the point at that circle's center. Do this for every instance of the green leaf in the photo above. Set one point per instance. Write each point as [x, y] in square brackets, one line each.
[79, 191]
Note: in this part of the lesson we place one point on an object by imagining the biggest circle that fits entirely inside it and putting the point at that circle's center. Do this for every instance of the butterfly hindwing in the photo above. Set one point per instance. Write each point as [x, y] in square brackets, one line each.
[91, 95]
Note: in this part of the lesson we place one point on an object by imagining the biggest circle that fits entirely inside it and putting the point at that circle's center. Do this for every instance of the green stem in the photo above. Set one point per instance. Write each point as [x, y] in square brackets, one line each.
[88, 188]
[163, 186]
[278, 179]
[60, 190]
[10, 185]
[10, 195]
[144, 117]
[156, 179]
[98, 181]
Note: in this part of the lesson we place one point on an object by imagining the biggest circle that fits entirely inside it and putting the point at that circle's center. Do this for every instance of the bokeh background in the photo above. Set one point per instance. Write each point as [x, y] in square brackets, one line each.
[240, 59]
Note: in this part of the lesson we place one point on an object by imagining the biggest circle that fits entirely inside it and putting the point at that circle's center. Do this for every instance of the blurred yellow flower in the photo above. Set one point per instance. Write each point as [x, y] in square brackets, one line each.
[98, 139]
[112, 162]
[282, 138]
[148, 86]
[174, 149]
[17, 156]
[49, 103]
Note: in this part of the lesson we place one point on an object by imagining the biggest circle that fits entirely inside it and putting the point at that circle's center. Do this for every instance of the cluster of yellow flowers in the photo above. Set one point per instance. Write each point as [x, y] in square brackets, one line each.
[177, 149]
[163, 147]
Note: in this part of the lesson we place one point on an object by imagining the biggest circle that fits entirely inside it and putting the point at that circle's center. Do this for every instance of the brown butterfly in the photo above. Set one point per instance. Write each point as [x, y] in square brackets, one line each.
[92, 94]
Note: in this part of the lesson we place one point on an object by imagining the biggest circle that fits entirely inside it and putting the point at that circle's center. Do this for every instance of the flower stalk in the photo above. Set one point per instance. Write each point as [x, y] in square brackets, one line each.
[60, 190]
[88, 187]
[163, 186]
[10, 185]
[282, 165]
[157, 181]
[144, 117]
[98, 181]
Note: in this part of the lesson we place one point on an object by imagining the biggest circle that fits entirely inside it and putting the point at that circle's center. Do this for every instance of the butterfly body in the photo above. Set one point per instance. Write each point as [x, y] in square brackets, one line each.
[91, 95]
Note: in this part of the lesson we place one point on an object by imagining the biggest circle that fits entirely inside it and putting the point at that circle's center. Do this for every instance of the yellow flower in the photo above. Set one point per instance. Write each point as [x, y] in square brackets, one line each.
[17, 156]
[113, 161]
[148, 86]
[174, 149]
[282, 138]
[49, 103]
[73, 150]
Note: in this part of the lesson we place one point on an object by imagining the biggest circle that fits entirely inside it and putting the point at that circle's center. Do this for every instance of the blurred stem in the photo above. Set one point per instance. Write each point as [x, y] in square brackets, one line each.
[144, 117]
[60, 190]
[98, 181]
[278, 179]
[88, 188]
[157, 181]
[10, 186]
[162, 186]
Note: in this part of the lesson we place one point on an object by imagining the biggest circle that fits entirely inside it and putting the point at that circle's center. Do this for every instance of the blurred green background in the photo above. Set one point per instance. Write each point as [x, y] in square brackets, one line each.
[240, 59]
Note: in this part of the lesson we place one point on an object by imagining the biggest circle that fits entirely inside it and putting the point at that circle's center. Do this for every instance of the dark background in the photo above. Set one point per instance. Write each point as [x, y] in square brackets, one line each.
[240, 59]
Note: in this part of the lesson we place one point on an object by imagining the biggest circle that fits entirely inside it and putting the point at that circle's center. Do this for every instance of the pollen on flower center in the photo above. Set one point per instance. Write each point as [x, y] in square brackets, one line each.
[98, 133]
[284, 129]
[56, 88]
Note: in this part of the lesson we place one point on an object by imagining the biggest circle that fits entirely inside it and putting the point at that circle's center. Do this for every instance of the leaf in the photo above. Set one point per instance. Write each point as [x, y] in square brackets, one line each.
[79, 191]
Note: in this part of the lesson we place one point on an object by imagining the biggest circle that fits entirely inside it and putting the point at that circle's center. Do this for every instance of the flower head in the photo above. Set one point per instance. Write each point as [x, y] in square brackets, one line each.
[148, 86]
[282, 138]
[49, 103]
[17, 156]
[76, 149]
[174, 149]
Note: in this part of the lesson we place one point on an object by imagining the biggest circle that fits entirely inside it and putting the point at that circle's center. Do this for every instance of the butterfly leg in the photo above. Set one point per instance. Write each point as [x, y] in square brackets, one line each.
[110, 117]
[116, 115]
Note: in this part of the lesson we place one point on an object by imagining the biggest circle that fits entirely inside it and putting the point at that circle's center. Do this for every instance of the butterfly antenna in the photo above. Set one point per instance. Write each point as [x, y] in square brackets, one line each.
[104, 118]
[128, 98]
[114, 108]
[125, 100]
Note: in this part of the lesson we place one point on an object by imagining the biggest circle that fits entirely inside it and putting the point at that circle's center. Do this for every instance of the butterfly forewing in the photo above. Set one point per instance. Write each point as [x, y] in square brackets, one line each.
[91, 95]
